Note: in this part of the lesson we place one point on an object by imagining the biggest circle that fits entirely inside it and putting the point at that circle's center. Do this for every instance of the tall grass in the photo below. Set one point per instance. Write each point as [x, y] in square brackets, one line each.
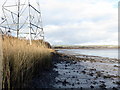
[22, 61]
[1, 58]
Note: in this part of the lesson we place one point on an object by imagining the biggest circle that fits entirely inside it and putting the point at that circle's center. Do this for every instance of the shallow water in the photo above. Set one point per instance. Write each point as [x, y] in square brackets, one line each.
[111, 53]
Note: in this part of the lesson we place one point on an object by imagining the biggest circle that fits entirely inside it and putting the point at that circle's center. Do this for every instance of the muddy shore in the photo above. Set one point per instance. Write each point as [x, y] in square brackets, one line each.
[79, 71]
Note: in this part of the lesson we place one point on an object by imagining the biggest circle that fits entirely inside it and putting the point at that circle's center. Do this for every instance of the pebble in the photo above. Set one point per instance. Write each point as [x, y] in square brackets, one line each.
[98, 73]
[102, 81]
[91, 74]
[73, 84]
[64, 82]
[114, 88]
[78, 82]
[73, 76]
[65, 65]
[94, 82]
[83, 72]
[102, 86]
[92, 86]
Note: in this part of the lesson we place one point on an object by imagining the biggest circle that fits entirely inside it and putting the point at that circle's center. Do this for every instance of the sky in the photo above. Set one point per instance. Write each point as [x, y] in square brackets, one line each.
[80, 22]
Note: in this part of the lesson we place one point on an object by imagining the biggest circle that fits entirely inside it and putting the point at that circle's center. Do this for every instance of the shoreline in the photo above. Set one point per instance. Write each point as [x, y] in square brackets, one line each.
[92, 53]
[88, 47]
[69, 71]
[84, 57]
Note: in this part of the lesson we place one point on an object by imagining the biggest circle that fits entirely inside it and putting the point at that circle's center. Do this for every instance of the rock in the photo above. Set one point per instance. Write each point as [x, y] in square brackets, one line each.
[73, 71]
[59, 87]
[102, 81]
[65, 65]
[102, 86]
[91, 86]
[98, 73]
[65, 68]
[78, 82]
[67, 62]
[91, 74]
[55, 66]
[114, 88]
[81, 88]
[108, 76]
[73, 84]
[73, 76]
[94, 82]
[64, 82]
[58, 81]
[118, 82]
[74, 62]
[83, 72]
[93, 69]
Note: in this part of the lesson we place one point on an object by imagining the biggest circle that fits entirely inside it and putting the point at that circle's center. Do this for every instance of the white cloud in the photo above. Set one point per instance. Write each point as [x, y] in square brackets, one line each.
[80, 21]
[107, 42]
[74, 34]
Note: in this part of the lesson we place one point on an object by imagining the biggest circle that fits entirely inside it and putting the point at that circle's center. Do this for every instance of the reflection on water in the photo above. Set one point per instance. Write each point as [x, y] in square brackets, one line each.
[111, 53]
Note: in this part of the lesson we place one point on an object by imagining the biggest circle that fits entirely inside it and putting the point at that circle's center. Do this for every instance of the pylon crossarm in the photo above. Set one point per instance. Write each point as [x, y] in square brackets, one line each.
[8, 28]
[14, 5]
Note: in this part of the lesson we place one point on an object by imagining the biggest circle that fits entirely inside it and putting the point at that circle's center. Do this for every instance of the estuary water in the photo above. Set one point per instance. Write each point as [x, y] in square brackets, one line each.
[110, 53]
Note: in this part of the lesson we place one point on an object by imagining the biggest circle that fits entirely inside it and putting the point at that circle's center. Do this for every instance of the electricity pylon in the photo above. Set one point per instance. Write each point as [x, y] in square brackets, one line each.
[22, 19]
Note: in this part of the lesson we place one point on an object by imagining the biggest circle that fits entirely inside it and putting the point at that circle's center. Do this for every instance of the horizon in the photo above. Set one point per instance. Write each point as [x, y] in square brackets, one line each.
[84, 45]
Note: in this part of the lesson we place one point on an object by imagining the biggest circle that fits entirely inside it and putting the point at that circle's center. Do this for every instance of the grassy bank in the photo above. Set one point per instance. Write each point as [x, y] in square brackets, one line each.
[21, 61]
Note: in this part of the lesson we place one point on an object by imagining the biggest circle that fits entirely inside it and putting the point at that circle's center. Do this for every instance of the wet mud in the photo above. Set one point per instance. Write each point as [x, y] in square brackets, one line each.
[81, 71]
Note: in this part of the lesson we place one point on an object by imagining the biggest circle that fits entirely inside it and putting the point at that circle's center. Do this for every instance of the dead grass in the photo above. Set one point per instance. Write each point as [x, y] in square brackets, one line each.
[22, 61]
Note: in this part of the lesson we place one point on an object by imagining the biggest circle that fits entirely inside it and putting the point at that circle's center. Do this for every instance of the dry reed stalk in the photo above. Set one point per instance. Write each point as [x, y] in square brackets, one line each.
[22, 60]
[1, 62]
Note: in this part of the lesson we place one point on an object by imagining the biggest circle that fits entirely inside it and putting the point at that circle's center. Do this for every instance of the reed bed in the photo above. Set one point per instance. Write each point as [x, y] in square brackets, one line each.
[22, 61]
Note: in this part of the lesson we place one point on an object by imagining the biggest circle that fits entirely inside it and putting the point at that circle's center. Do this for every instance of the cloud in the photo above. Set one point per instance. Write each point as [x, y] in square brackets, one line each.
[72, 11]
[79, 33]
[80, 21]
[74, 22]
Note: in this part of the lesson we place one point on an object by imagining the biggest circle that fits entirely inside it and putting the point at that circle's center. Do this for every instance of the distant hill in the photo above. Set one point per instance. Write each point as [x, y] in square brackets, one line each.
[85, 47]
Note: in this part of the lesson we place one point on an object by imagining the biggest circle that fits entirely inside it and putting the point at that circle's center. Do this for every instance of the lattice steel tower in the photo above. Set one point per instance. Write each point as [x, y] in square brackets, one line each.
[22, 19]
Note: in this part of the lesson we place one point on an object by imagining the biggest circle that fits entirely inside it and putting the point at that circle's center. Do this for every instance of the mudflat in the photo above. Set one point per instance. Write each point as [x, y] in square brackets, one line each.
[81, 71]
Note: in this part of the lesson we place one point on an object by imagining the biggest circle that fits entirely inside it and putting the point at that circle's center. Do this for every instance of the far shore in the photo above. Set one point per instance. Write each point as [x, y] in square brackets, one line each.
[88, 47]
